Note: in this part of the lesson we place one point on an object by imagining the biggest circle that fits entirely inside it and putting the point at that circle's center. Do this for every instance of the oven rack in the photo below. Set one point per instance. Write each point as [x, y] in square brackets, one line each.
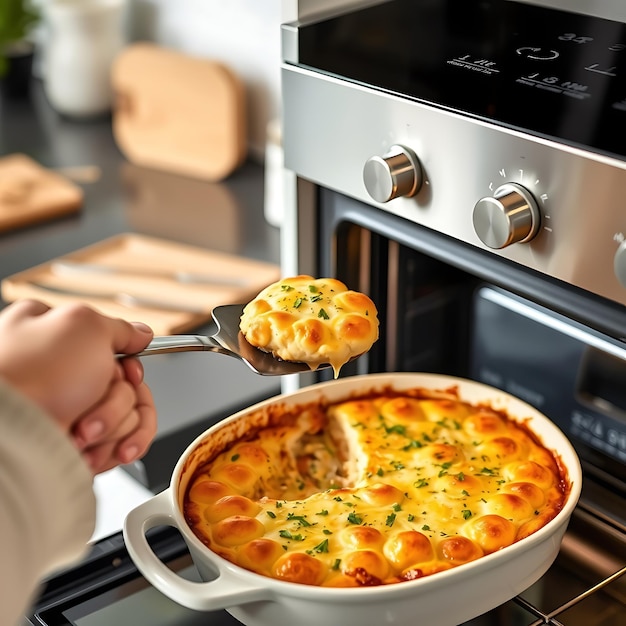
[587, 584]
[550, 618]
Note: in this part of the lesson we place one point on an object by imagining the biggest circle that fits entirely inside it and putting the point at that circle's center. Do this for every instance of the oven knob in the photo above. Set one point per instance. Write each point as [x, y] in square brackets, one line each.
[395, 174]
[620, 263]
[510, 216]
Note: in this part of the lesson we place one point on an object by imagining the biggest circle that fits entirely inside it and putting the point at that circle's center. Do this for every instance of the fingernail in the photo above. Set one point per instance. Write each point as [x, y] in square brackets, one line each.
[129, 454]
[92, 430]
[144, 328]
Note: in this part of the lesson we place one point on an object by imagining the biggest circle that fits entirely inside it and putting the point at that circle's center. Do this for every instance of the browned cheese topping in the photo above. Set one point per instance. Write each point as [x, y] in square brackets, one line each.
[375, 490]
[312, 321]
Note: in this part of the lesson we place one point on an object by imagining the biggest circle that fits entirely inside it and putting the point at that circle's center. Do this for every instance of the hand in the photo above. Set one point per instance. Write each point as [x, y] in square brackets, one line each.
[64, 359]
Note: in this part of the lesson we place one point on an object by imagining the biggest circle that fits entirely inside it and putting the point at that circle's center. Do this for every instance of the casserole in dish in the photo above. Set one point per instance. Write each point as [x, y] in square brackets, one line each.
[446, 597]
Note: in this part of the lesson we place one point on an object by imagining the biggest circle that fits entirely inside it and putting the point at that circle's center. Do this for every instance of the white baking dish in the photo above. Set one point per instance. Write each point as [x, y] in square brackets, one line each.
[446, 598]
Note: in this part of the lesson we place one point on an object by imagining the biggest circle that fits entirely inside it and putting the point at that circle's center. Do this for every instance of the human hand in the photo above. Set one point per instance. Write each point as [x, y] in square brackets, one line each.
[64, 359]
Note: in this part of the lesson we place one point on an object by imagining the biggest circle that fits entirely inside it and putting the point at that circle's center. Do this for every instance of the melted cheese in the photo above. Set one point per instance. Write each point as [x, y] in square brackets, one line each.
[374, 491]
[312, 321]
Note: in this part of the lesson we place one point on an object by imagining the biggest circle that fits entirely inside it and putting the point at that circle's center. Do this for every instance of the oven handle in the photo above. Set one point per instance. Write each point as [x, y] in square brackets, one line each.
[228, 589]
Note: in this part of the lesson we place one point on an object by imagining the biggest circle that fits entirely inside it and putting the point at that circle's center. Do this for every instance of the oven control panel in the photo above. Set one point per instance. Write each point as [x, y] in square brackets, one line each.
[509, 136]
[547, 206]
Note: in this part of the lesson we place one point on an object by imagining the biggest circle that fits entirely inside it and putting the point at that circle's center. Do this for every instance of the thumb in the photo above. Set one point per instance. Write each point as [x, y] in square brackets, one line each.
[129, 337]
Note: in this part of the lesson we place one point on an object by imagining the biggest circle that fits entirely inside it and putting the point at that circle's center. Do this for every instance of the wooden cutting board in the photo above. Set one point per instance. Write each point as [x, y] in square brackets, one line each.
[147, 264]
[31, 193]
[178, 113]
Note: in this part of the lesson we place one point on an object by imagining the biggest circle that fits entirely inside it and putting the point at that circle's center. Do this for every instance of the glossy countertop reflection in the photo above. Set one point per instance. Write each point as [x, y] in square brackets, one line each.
[122, 197]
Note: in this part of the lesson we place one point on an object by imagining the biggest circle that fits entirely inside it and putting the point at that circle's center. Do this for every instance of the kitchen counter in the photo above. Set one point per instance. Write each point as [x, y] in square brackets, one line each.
[191, 389]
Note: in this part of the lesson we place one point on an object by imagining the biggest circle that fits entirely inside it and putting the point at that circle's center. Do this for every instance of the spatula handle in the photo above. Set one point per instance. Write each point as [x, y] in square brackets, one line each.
[183, 343]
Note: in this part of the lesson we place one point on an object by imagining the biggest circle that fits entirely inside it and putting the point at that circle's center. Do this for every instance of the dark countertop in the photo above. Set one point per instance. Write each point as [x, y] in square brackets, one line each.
[191, 389]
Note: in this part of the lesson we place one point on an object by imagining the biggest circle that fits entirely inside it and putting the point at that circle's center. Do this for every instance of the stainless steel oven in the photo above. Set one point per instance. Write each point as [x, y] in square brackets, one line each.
[464, 163]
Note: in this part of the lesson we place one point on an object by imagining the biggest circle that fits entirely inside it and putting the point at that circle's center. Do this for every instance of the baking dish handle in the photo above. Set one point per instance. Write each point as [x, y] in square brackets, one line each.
[225, 591]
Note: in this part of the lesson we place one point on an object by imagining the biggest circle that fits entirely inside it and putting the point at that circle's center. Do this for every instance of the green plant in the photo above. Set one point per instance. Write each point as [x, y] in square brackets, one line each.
[17, 18]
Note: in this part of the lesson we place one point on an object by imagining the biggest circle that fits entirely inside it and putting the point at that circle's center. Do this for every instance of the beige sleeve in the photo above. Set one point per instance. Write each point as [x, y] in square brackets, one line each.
[47, 504]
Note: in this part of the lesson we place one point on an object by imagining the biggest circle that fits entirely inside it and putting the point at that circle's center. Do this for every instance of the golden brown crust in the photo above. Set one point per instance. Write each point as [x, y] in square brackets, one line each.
[374, 490]
[312, 321]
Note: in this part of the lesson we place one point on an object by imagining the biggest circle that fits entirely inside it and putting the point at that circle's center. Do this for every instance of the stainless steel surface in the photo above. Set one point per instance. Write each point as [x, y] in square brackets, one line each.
[581, 227]
[510, 216]
[72, 268]
[132, 301]
[228, 340]
[620, 263]
[393, 175]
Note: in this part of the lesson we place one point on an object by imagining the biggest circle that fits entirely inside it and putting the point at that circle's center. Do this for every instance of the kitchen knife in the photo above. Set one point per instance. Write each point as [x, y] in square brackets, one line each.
[72, 268]
[123, 298]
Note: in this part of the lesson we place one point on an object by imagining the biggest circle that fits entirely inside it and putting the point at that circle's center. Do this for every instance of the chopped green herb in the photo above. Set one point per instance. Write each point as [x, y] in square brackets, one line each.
[286, 534]
[322, 512]
[286, 287]
[322, 313]
[353, 518]
[336, 564]
[271, 514]
[414, 443]
[391, 518]
[327, 532]
[301, 519]
[466, 513]
[297, 303]
[234, 457]
[422, 482]
[322, 546]
[410, 517]
[313, 289]
[398, 429]
[426, 527]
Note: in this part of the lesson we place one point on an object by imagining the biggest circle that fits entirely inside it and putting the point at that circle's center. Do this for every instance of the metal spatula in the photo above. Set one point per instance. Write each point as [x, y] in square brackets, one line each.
[227, 340]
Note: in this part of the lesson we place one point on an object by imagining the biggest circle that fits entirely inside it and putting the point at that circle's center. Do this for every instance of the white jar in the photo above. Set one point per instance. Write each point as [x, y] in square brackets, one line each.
[84, 37]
